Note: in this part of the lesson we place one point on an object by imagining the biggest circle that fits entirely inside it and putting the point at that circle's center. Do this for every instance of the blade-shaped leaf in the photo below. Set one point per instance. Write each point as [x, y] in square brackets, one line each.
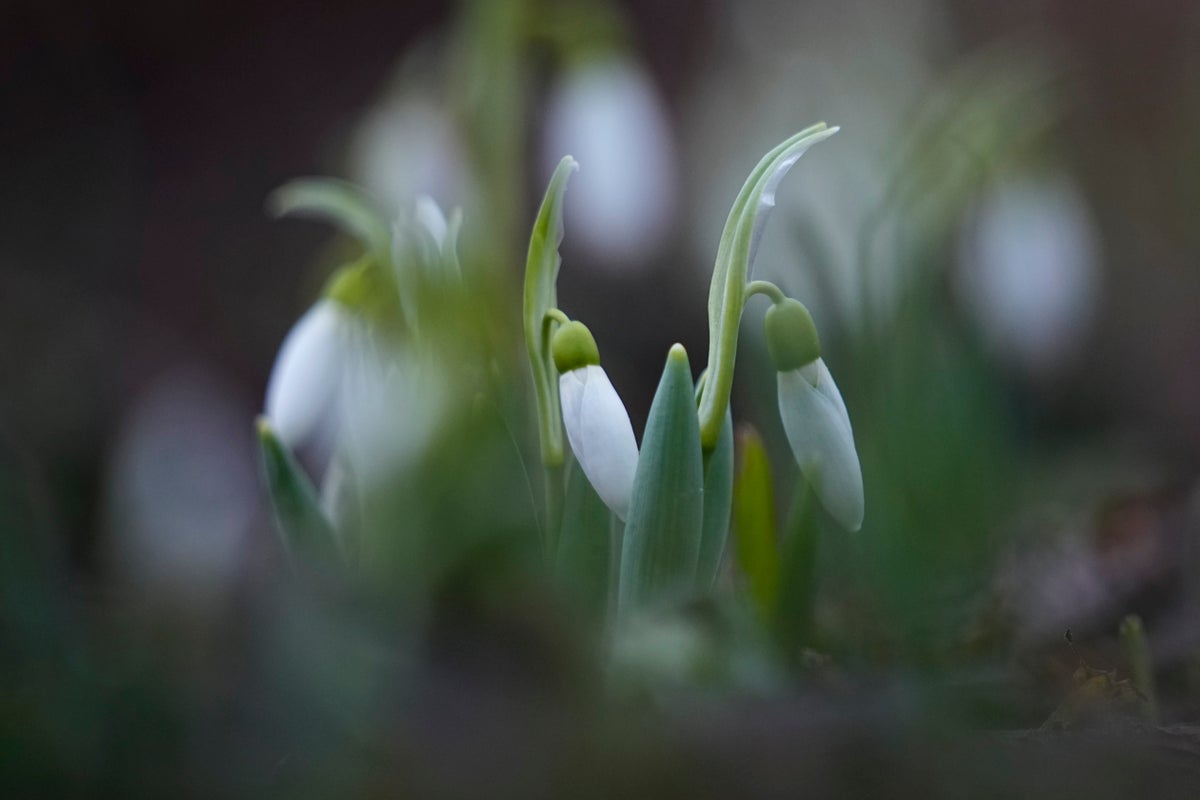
[584, 558]
[341, 203]
[797, 588]
[718, 499]
[754, 522]
[541, 295]
[306, 533]
[662, 534]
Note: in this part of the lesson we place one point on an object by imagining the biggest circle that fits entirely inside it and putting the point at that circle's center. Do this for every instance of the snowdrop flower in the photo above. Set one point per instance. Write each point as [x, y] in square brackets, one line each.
[813, 413]
[393, 401]
[327, 347]
[609, 115]
[1029, 268]
[303, 388]
[426, 241]
[408, 145]
[597, 423]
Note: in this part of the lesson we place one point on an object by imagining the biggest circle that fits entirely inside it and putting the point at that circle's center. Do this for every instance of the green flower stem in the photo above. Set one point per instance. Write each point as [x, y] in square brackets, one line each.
[555, 498]
[765, 288]
[1137, 651]
[540, 298]
[727, 293]
[554, 315]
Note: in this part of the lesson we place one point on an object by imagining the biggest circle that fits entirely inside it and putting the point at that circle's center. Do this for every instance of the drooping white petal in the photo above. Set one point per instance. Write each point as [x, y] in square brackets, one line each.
[600, 434]
[430, 216]
[408, 145]
[1029, 268]
[611, 117]
[391, 408]
[303, 385]
[818, 430]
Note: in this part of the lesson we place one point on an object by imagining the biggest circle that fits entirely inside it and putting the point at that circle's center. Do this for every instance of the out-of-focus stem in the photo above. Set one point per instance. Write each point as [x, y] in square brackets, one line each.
[554, 509]
[1137, 652]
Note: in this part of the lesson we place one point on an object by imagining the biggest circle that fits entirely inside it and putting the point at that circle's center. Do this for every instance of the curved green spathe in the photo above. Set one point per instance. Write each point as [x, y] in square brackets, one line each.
[541, 295]
[735, 255]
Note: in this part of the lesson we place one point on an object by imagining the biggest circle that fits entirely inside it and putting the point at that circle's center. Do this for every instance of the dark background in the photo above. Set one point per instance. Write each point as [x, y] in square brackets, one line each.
[139, 141]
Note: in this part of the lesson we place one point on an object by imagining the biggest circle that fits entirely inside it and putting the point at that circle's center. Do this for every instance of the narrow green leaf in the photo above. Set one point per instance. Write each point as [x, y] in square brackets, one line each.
[306, 533]
[584, 558]
[718, 499]
[797, 589]
[754, 527]
[341, 203]
[735, 252]
[662, 533]
[541, 295]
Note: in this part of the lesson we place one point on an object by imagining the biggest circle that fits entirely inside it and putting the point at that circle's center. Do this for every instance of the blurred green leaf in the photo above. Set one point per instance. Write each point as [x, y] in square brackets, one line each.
[718, 502]
[584, 559]
[797, 585]
[306, 533]
[754, 525]
[341, 203]
[541, 295]
[662, 533]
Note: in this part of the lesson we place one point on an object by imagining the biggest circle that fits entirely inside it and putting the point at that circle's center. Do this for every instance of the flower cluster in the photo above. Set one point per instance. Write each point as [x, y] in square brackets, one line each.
[810, 405]
[364, 378]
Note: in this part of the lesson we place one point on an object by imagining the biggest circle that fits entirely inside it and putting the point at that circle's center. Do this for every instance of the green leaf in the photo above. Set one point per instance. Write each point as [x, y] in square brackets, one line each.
[754, 528]
[541, 295]
[718, 499]
[584, 558]
[797, 589]
[662, 533]
[345, 205]
[306, 533]
[727, 292]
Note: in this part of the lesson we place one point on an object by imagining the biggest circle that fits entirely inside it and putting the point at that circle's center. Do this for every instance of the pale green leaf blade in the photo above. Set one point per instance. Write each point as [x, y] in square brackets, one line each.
[718, 500]
[798, 579]
[755, 532]
[584, 558]
[307, 535]
[341, 203]
[662, 534]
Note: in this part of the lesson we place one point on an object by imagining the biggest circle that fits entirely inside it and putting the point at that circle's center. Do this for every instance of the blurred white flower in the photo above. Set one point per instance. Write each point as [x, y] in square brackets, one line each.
[336, 379]
[429, 216]
[818, 430]
[608, 114]
[1028, 269]
[600, 434]
[408, 146]
[302, 391]
[181, 496]
[392, 403]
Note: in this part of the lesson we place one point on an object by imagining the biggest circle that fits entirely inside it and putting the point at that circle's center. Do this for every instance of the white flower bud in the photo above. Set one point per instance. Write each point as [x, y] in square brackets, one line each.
[600, 434]
[818, 430]
[303, 386]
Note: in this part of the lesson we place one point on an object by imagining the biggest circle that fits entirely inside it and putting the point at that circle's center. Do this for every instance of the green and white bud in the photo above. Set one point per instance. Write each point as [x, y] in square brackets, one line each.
[818, 431]
[597, 424]
[573, 347]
